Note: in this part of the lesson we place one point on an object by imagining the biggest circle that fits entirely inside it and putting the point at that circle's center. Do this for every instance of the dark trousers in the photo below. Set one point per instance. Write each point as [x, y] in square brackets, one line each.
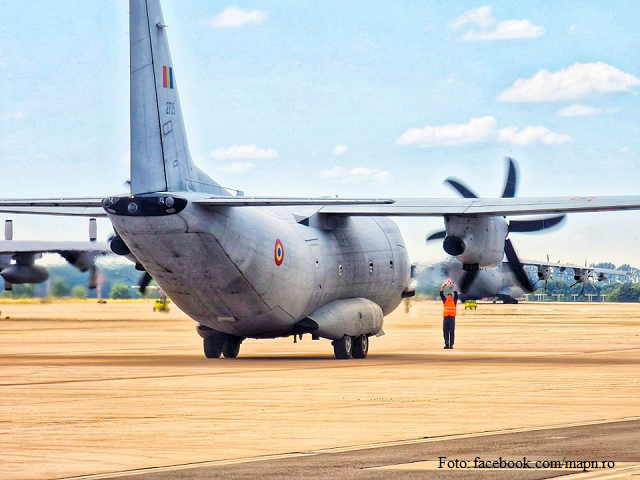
[448, 329]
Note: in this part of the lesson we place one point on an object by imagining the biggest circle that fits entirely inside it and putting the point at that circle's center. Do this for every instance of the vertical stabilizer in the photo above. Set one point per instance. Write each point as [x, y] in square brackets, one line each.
[160, 158]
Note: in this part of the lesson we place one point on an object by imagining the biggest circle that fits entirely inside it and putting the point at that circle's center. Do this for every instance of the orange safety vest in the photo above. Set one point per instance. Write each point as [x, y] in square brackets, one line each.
[449, 308]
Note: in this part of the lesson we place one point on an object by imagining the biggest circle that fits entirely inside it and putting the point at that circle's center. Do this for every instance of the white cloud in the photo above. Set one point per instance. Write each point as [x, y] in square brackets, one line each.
[13, 116]
[235, 17]
[578, 80]
[243, 152]
[580, 110]
[340, 150]
[531, 135]
[479, 25]
[355, 175]
[624, 149]
[236, 167]
[479, 130]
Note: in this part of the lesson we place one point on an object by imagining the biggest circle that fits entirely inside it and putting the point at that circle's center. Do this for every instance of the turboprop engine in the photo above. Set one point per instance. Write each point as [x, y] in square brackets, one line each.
[544, 272]
[481, 242]
[476, 240]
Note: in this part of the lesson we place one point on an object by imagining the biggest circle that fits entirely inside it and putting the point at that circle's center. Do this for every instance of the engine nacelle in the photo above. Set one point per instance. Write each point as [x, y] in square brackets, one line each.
[544, 272]
[581, 276]
[83, 261]
[25, 274]
[352, 316]
[476, 240]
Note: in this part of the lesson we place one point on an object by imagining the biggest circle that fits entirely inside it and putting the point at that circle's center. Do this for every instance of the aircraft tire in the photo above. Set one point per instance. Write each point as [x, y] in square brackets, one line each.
[231, 347]
[212, 347]
[360, 346]
[343, 348]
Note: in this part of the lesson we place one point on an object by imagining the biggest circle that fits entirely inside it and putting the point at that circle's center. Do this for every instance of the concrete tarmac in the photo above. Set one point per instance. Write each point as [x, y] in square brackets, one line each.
[104, 391]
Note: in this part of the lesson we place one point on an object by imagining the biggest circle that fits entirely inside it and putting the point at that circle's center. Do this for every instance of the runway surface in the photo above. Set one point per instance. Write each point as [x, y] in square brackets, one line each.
[102, 391]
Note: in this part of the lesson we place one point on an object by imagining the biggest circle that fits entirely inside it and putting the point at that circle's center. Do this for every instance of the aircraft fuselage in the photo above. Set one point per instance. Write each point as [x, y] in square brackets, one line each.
[254, 272]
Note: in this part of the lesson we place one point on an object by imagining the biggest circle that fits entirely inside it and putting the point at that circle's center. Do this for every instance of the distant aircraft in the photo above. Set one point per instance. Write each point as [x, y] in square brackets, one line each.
[500, 282]
[17, 257]
[496, 282]
[581, 275]
[265, 267]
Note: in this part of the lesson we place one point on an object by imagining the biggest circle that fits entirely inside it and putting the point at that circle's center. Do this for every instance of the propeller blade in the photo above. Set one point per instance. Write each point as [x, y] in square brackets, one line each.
[511, 183]
[517, 267]
[535, 225]
[437, 236]
[468, 279]
[144, 282]
[460, 188]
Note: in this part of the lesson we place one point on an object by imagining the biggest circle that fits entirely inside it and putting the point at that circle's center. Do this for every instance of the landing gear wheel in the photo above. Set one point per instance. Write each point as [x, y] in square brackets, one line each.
[231, 347]
[360, 346]
[212, 347]
[343, 348]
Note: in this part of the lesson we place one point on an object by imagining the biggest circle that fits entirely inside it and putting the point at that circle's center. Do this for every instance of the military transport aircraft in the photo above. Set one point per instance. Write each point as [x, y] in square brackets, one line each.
[501, 282]
[581, 275]
[265, 267]
[81, 255]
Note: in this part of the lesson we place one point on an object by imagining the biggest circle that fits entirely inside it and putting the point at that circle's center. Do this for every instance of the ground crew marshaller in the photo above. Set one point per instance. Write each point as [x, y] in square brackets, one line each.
[449, 315]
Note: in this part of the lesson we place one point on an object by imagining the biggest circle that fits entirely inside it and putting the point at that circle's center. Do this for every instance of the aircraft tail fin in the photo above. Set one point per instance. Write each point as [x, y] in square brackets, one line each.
[160, 158]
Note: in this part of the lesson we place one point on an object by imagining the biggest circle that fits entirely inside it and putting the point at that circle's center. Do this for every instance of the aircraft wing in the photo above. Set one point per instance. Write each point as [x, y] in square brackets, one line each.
[418, 207]
[43, 246]
[421, 207]
[84, 207]
[606, 271]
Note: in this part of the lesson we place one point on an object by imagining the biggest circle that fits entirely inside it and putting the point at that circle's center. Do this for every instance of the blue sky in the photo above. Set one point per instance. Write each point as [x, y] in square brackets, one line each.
[364, 99]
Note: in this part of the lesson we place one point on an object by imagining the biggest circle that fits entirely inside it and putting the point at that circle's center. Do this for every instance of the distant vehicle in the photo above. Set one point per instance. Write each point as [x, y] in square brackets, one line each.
[162, 304]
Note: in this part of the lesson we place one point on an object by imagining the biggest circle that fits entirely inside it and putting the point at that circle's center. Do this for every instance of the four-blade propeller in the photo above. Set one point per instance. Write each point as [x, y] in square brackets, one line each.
[456, 246]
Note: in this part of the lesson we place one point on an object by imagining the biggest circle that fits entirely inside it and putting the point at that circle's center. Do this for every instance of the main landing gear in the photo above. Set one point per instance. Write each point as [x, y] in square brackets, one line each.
[217, 343]
[348, 347]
